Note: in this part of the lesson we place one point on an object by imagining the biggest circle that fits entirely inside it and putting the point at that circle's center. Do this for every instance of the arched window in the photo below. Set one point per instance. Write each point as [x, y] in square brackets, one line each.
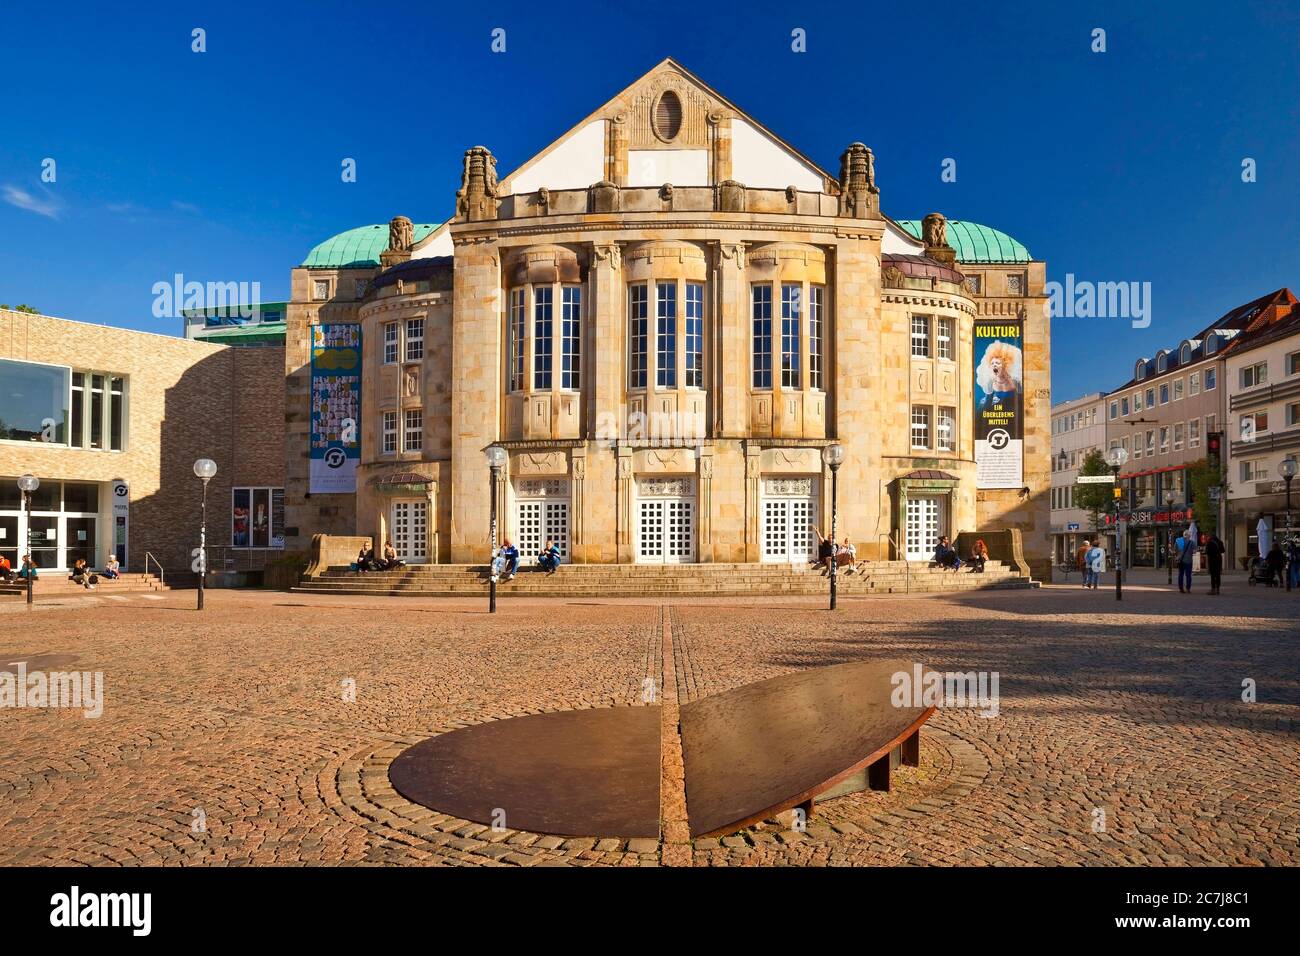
[1162, 362]
[1211, 344]
[1185, 356]
[1140, 370]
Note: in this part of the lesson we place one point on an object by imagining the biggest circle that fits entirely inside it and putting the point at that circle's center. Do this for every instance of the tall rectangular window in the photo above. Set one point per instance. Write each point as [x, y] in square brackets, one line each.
[96, 411]
[390, 343]
[390, 432]
[1211, 379]
[414, 340]
[762, 348]
[116, 412]
[920, 426]
[816, 326]
[947, 429]
[666, 334]
[78, 409]
[1194, 433]
[1194, 383]
[543, 321]
[413, 434]
[571, 337]
[638, 312]
[921, 336]
[257, 518]
[694, 335]
[518, 323]
[1164, 394]
[943, 338]
[1178, 436]
[1178, 390]
[791, 320]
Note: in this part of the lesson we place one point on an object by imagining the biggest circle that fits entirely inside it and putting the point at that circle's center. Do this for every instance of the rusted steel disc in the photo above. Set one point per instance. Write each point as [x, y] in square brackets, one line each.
[573, 773]
[757, 750]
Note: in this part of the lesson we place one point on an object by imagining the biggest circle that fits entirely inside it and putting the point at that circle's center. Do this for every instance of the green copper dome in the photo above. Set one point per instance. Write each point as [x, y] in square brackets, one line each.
[358, 248]
[975, 242]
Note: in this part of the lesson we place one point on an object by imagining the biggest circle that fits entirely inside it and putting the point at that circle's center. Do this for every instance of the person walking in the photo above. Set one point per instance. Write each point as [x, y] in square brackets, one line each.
[1186, 555]
[1095, 562]
[1081, 561]
[1214, 550]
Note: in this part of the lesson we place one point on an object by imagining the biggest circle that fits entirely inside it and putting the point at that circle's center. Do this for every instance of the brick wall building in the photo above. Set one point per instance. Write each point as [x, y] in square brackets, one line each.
[89, 409]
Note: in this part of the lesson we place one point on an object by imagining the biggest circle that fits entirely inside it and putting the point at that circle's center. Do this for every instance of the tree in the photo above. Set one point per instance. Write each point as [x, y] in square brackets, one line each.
[1200, 479]
[23, 308]
[1094, 498]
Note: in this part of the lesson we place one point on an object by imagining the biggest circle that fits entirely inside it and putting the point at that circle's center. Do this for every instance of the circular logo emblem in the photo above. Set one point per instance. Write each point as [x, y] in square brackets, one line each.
[335, 457]
[998, 439]
[120, 491]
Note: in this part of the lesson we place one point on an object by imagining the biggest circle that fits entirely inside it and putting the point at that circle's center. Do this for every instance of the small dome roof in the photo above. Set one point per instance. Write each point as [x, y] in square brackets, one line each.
[358, 248]
[975, 242]
[922, 267]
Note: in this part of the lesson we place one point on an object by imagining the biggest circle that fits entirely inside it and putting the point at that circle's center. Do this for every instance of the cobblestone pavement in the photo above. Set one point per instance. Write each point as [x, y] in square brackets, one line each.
[228, 737]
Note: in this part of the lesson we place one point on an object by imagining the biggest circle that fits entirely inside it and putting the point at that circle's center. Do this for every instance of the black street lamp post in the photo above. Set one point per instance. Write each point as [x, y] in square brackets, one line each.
[833, 456]
[1116, 458]
[496, 456]
[1169, 536]
[1287, 469]
[28, 484]
[204, 468]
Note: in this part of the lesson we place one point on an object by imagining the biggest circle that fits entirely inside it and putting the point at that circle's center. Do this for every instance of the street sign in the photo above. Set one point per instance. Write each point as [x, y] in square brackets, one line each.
[1215, 492]
[1095, 480]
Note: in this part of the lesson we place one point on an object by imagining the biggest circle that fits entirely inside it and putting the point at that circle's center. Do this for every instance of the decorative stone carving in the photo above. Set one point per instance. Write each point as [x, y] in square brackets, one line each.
[401, 236]
[544, 199]
[788, 487]
[541, 463]
[477, 198]
[666, 192]
[604, 197]
[791, 195]
[730, 196]
[542, 488]
[859, 195]
[734, 252]
[665, 487]
[693, 131]
[611, 253]
[934, 232]
[892, 276]
[412, 381]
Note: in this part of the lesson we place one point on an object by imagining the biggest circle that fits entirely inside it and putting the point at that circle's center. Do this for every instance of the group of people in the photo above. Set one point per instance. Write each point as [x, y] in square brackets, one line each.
[1091, 561]
[946, 556]
[505, 561]
[844, 555]
[367, 560]
[81, 574]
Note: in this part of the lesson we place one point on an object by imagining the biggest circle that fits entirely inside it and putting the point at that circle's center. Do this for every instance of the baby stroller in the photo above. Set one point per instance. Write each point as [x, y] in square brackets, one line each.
[1261, 572]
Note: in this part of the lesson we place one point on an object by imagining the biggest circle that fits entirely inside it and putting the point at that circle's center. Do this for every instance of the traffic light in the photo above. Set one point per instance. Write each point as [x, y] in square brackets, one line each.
[1214, 451]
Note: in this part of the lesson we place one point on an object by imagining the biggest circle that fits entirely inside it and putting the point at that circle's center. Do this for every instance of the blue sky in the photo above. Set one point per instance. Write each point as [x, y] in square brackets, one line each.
[225, 165]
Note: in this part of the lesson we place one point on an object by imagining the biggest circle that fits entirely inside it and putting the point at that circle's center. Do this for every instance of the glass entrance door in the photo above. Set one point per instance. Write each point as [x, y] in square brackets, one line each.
[926, 522]
[789, 516]
[665, 526]
[410, 525]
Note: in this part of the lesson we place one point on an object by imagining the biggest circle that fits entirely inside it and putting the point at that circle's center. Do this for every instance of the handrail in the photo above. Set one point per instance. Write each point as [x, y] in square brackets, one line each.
[149, 556]
[897, 542]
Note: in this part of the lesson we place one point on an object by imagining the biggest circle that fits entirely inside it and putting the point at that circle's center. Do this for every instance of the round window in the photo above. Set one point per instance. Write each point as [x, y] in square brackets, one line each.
[668, 116]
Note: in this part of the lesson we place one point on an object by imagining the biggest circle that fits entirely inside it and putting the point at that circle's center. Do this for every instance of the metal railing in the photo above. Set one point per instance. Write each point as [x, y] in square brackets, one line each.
[148, 556]
[897, 543]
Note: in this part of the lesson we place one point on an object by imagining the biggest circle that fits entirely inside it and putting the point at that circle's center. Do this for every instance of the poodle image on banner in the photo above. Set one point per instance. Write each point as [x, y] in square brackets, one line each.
[999, 405]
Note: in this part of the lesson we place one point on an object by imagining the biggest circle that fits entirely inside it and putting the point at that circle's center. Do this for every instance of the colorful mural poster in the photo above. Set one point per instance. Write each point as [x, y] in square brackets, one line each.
[335, 408]
[999, 404]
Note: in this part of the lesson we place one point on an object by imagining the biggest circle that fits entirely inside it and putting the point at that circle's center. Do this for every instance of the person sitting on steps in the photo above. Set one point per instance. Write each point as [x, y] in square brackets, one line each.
[549, 559]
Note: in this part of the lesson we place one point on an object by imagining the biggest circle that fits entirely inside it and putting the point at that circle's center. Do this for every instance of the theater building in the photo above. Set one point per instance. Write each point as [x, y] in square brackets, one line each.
[111, 422]
[664, 317]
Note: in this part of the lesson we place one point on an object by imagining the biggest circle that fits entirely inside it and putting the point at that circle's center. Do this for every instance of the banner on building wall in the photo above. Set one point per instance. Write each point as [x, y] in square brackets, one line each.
[999, 404]
[335, 408]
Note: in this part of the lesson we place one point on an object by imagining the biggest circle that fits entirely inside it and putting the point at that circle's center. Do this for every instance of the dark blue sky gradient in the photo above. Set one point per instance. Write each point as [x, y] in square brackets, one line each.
[224, 166]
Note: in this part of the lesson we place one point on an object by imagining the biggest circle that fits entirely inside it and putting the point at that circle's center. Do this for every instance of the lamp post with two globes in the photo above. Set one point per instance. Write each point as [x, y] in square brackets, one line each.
[204, 468]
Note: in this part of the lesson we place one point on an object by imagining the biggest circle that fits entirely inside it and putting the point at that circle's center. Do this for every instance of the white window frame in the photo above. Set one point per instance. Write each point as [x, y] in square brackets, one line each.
[947, 415]
[414, 349]
[392, 339]
[921, 426]
[943, 337]
[389, 445]
[413, 430]
[920, 336]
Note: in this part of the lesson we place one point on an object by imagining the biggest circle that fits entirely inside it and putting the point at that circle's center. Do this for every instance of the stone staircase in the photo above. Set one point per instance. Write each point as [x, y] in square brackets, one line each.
[641, 580]
[56, 583]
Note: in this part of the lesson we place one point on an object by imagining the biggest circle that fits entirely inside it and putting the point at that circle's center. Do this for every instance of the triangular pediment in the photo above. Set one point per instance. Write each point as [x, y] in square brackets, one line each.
[667, 127]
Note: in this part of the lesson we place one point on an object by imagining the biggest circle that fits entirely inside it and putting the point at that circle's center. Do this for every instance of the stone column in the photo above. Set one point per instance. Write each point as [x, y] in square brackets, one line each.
[626, 521]
[476, 400]
[732, 344]
[577, 522]
[431, 493]
[705, 504]
[753, 500]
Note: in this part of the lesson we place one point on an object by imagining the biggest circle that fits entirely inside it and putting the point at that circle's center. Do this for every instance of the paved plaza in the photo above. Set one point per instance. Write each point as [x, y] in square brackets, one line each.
[260, 731]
